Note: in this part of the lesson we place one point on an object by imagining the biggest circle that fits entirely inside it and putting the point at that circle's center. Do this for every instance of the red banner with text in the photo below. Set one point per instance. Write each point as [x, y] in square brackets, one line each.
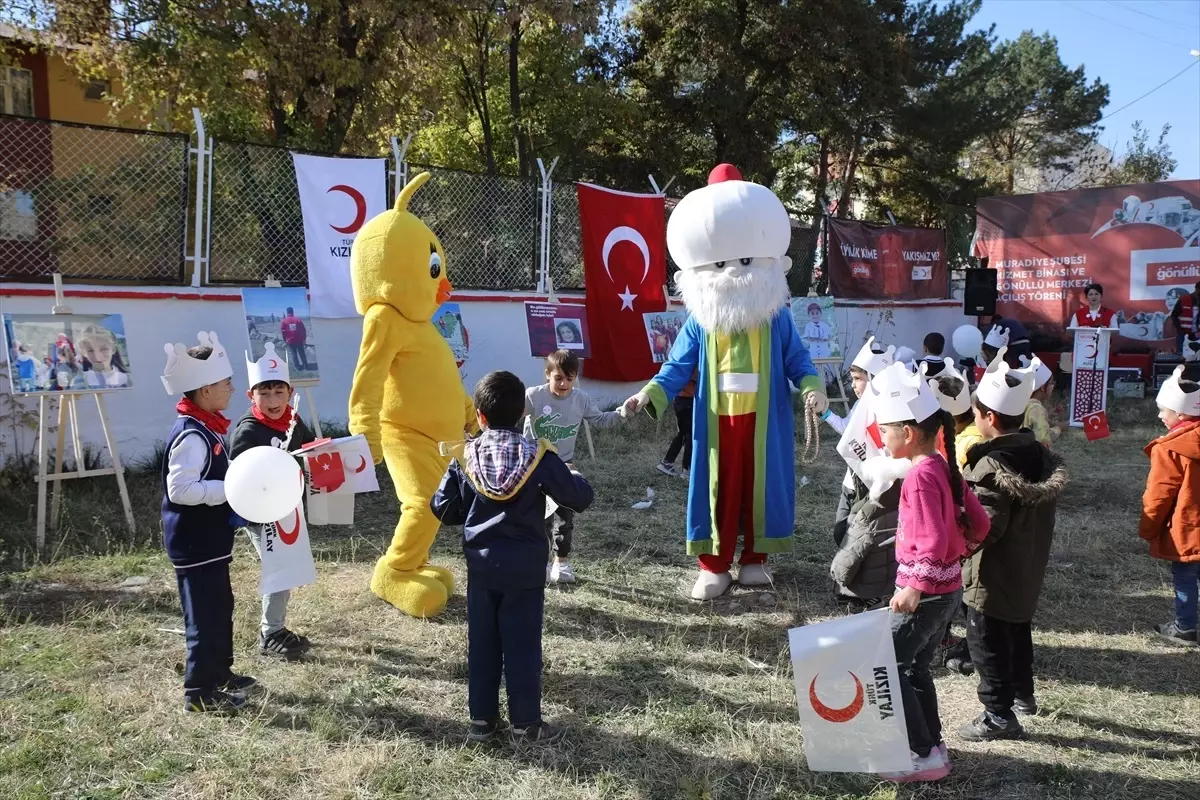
[1140, 242]
[886, 262]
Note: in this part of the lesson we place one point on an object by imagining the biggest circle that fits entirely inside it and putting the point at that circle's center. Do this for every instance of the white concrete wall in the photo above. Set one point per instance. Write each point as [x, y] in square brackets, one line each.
[141, 416]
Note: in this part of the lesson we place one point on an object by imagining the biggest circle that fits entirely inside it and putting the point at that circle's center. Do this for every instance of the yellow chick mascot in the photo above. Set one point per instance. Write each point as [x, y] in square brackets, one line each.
[407, 394]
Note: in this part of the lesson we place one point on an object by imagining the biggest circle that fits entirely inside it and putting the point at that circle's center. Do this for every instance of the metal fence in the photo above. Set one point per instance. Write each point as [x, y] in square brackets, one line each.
[488, 226]
[91, 202]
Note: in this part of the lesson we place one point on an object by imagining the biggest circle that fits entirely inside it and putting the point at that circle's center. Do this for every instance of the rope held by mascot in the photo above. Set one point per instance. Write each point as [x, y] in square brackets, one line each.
[730, 241]
[397, 268]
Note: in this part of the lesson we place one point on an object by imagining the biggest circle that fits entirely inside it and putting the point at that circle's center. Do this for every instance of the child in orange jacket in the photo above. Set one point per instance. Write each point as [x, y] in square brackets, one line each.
[1171, 504]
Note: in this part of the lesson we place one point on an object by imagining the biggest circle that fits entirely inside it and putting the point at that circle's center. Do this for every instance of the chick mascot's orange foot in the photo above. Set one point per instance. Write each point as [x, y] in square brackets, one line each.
[407, 394]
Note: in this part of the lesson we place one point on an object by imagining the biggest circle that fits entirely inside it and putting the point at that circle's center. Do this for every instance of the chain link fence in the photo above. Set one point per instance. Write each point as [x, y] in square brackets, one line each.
[91, 202]
[487, 224]
[566, 238]
[257, 228]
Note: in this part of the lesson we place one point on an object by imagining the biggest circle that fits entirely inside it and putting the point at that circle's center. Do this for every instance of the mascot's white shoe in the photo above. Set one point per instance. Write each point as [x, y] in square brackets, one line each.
[754, 575]
[711, 585]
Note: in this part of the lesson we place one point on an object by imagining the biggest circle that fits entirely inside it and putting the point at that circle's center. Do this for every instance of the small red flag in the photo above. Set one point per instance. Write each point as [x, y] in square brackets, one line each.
[327, 471]
[1095, 426]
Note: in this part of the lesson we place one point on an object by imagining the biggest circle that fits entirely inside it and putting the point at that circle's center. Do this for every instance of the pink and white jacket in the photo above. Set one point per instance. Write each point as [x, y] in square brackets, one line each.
[930, 543]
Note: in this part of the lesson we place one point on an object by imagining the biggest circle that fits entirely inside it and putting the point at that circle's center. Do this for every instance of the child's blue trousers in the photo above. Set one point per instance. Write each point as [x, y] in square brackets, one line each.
[207, 599]
[504, 637]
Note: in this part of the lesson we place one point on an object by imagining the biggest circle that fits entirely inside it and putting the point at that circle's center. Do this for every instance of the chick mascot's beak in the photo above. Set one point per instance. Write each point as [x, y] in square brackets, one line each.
[398, 271]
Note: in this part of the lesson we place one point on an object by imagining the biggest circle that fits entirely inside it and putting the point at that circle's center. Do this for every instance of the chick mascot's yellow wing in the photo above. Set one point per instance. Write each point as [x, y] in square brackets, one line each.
[407, 394]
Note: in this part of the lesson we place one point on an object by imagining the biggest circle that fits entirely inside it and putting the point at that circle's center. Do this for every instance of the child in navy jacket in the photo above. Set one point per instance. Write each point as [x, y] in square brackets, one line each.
[198, 523]
[497, 492]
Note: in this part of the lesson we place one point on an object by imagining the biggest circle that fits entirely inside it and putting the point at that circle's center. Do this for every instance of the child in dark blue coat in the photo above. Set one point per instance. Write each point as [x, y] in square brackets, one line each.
[497, 491]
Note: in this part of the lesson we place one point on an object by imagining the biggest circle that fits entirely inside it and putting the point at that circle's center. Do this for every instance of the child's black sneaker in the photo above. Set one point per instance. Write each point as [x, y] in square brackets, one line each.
[220, 703]
[283, 643]
[1174, 634]
[539, 733]
[484, 730]
[989, 727]
[1025, 706]
[238, 684]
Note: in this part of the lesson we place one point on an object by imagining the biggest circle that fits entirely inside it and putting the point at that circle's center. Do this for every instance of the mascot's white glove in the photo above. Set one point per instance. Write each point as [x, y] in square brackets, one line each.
[817, 401]
[634, 404]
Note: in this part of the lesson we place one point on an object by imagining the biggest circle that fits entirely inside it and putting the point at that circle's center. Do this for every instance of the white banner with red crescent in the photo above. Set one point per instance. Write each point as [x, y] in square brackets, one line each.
[337, 195]
[337, 470]
[287, 560]
[848, 691]
[1089, 377]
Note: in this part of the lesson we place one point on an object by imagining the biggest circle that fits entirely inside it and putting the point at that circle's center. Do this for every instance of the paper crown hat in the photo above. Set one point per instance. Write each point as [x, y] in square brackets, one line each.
[1041, 373]
[268, 368]
[997, 337]
[898, 395]
[872, 361]
[995, 393]
[1191, 349]
[1171, 395]
[727, 220]
[184, 373]
[956, 404]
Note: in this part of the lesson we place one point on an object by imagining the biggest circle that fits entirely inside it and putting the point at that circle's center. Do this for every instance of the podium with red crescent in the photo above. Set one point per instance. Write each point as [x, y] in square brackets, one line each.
[1089, 374]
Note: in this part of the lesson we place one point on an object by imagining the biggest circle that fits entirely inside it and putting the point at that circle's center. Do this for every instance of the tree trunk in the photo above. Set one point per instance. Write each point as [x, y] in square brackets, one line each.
[848, 177]
[520, 143]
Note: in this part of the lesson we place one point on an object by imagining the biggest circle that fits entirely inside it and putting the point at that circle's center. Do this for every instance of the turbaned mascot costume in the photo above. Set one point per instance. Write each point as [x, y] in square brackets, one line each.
[407, 394]
[730, 241]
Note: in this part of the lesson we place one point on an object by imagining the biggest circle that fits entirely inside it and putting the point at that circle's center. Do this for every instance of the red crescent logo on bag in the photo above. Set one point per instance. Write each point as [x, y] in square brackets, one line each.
[290, 537]
[844, 714]
[361, 466]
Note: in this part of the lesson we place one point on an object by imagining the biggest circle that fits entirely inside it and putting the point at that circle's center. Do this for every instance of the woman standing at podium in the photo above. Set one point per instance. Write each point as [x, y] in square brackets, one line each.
[1094, 314]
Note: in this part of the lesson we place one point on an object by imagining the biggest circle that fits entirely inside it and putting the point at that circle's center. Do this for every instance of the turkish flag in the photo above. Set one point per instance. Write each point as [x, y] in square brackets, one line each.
[327, 471]
[625, 269]
[1095, 426]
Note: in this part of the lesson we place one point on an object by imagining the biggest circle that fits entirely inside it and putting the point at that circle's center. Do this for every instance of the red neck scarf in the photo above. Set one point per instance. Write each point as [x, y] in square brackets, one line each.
[280, 425]
[215, 421]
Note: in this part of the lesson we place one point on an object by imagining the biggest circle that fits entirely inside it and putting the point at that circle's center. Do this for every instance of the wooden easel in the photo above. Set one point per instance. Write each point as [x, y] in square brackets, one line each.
[836, 364]
[68, 414]
[304, 384]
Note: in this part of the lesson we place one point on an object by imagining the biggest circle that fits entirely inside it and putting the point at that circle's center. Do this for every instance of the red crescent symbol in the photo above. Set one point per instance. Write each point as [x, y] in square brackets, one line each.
[290, 537]
[273, 364]
[361, 466]
[1093, 422]
[844, 714]
[360, 205]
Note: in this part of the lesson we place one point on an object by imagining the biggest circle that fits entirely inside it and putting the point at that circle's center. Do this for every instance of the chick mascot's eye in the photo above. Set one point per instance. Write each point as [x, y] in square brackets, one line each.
[745, 262]
[435, 265]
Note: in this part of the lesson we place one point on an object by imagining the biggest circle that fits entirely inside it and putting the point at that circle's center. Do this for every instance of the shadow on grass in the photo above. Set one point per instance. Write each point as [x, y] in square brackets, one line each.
[58, 604]
[1167, 671]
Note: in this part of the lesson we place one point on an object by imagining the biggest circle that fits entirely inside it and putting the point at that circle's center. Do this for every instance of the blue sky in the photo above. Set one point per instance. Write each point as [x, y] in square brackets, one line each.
[1133, 46]
[260, 301]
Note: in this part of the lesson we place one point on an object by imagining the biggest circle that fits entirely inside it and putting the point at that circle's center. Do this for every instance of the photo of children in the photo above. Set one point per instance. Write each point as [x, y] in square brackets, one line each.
[567, 334]
[815, 321]
[662, 329]
[63, 353]
[281, 315]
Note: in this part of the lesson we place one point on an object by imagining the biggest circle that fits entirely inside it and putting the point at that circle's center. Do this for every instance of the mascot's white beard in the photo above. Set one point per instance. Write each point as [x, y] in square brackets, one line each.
[735, 298]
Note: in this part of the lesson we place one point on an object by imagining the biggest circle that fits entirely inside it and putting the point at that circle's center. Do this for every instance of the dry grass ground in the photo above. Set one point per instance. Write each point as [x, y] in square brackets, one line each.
[662, 698]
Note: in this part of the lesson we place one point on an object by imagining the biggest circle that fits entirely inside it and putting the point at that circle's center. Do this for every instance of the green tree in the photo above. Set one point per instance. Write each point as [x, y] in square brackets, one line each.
[1038, 112]
[1143, 163]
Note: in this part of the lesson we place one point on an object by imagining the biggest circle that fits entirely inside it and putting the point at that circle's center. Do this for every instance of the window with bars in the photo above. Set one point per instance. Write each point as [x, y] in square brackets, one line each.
[16, 91]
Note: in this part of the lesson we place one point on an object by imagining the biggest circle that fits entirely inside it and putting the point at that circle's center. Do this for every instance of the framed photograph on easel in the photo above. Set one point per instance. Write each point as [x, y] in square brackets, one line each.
[52, 353]
[280, 314]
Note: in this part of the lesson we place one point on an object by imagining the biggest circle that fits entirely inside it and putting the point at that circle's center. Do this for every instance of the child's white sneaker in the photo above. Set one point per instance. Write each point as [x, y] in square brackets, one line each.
[666, 469]
[684, 473]
[561, 572]
[932, 767]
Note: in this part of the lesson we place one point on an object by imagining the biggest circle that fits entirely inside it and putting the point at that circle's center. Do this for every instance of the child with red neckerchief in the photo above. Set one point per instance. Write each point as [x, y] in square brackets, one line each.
[198, 523]
[268, 423]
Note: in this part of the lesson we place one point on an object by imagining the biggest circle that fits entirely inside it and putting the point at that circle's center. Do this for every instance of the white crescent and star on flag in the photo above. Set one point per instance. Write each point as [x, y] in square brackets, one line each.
[624, 233]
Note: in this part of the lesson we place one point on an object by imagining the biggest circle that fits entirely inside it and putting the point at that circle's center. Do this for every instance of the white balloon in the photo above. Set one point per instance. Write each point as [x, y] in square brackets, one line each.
[264, 484]
[967, 341]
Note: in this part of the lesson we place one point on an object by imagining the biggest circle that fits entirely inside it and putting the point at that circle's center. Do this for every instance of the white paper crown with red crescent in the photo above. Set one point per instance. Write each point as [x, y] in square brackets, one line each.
[997, 337]
[995, 393]
[874, 361]
[898, 395]
[956, 404]
[184, 373]
[1041, 373]
[268, 368]
[728, 221]
[1171, 395]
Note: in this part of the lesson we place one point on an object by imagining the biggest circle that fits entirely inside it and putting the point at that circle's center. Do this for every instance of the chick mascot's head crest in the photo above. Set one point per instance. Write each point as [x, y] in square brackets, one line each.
[398, 271]
[397, 259]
